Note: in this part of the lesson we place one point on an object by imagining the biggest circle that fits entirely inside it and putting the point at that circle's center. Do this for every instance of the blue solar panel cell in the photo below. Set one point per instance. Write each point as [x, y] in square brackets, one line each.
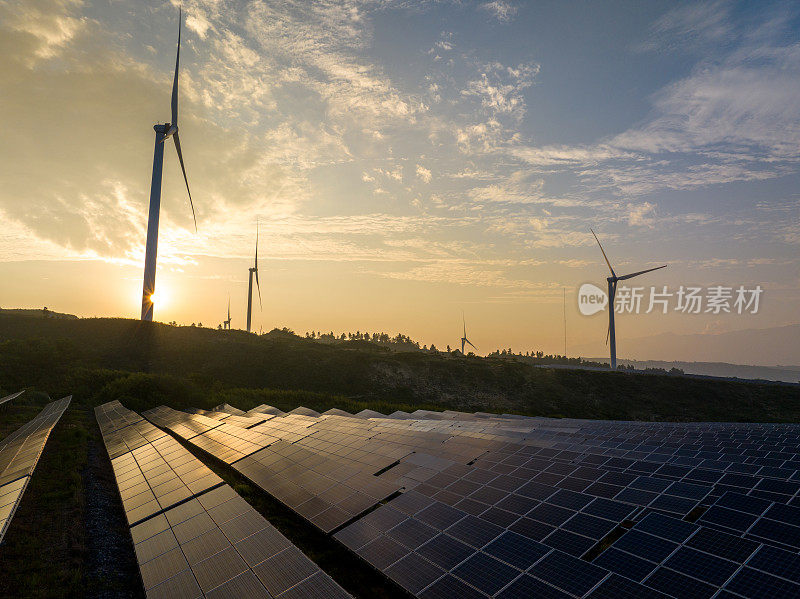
[636, 496]
[486, 573]
[449, 587]
[516, 550]
[646, 483]
[474, 531]
[645, 546]
[617, 587]
[532, 529]
[568, 573]
[702, 566]
[609, 509]
[679, 585]
[723, 544]
[527, 587]
[776, 532]
[570, 499]
[414, 573]
[777, 561]
[732, 519]
[440, 515]
[589, 526]
[412, 533]
[625, 564]
[753, 583]
[743, 503]
[550, 514]
[445, 551]
[675, 505]
[666, 527]
[569, 542]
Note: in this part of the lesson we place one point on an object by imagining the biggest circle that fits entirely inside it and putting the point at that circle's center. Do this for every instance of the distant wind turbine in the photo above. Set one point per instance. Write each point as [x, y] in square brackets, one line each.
[464, 339]
[253, 270]
[226, 324]
[163, 132]
[612, 291]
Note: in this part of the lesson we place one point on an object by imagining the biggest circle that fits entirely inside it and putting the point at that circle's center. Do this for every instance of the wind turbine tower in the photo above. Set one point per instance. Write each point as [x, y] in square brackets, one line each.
[163, 132]
[464, 340]
[612, 290]
[226, 324]
[253, 270]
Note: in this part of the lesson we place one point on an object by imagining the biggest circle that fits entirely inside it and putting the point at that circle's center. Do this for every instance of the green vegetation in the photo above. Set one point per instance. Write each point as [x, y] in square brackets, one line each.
[69, 537]
[145, 364]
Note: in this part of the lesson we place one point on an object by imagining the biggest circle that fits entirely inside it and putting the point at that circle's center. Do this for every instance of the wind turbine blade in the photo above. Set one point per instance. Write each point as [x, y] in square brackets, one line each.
[641, 272]
[175, 81]
[183, 169]
[256, 263]
[464, 320]
[260, 305]
[613, 274]
[470, 343]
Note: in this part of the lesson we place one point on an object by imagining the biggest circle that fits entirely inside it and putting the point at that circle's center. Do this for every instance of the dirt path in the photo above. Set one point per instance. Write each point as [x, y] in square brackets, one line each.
[111, 569]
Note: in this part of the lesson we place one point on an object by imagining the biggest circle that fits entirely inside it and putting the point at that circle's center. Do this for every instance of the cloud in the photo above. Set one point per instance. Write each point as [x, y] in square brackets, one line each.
[641, 214]
[424, 174]
[46, 27]
[500, 88]
[501, 10]
[564, 155]
[690, 27]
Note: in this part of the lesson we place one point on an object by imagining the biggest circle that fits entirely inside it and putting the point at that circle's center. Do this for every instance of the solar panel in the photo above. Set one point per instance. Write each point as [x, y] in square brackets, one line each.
[8, 398]
[486, 573]
[210, 542]
[568, 573]
[19, 455]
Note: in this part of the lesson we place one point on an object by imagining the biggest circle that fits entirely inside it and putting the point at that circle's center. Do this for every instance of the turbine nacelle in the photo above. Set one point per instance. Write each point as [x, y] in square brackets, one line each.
[171, 130]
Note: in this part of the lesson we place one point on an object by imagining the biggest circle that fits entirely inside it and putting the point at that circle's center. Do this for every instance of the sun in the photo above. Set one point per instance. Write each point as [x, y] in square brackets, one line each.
[160, 298]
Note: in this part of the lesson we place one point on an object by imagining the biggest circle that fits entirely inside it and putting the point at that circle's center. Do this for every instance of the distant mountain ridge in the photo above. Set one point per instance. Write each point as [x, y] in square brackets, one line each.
[772, 347]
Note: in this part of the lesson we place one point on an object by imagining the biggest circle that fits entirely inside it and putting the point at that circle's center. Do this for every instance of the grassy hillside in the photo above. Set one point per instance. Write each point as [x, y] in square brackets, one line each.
[102, 359]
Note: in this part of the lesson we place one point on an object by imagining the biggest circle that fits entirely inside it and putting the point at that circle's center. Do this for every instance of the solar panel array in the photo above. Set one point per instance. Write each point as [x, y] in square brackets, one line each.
[509, 506]
[19, 454]
[194, 536]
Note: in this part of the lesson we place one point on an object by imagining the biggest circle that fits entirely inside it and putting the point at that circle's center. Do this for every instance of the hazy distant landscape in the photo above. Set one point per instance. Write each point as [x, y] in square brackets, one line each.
[772, 347]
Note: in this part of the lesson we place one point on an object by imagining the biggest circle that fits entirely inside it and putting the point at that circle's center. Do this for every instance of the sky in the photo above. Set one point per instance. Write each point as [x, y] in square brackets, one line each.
[407, 161]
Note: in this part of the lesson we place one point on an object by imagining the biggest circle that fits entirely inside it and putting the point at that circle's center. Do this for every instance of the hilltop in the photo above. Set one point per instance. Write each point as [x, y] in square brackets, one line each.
[156, 363]
[35, 313]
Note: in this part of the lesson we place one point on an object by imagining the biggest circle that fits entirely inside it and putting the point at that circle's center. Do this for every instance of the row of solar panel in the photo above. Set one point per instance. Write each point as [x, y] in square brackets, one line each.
[767, 467]
[19, 455]
[649, 437]
[434, 549]
[327, 491]
[193, 535]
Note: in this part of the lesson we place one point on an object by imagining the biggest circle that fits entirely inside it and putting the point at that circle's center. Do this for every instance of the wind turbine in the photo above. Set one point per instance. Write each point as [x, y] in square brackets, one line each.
[464, 339]
[253, 269]
[163, 132]
[226, 324]
[612, 290]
